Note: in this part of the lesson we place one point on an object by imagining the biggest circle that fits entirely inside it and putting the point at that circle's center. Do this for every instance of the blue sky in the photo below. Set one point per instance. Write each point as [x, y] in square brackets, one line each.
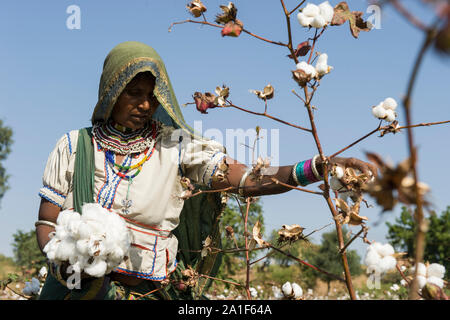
[50, 82]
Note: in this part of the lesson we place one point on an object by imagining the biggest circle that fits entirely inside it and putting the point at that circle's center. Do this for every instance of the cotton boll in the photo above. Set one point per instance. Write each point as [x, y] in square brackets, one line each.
[96, 247]
[437, 281]
[379, 112]
[322, 64]
[287, 289]
[311, 10]
[390, 103]
[277, 292]
[297, 290]
[326, 11]
[436, 270]
[304, 20]
[390, 115]
[318, 22]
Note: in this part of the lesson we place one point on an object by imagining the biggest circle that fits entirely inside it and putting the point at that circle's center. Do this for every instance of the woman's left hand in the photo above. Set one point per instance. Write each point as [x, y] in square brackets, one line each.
[365, 167]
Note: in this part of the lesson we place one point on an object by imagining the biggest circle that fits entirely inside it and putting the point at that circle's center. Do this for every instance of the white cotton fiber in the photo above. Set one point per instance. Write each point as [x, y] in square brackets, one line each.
[287, 289]
[304, 20]
[386, 250]
[311, 10]
[437, 281]
[379, 258]
[94, 242]
[436, 270]
[326, 11]
[387, 263]
[422, 281]
[297, 290]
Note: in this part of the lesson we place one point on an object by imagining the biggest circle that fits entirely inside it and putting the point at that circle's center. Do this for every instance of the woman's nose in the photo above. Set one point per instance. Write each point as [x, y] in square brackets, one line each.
[144, 105]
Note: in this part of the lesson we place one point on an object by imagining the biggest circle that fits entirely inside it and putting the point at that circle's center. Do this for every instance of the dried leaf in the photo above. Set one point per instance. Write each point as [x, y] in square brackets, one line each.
[257, 234]
[342, 14]
[302, 50]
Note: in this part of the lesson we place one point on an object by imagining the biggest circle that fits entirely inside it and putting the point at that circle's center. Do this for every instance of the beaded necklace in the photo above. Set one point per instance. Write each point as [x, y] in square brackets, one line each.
[123, 170]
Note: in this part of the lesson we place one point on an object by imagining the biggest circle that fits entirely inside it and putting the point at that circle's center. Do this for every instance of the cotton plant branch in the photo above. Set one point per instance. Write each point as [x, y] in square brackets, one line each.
[265, 114]
[205, 22]
[386, 129]
[326, 195]
[419, 215]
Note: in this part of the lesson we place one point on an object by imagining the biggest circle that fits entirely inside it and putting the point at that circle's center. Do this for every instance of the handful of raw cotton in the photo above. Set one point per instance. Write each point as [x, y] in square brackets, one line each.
[94, 242]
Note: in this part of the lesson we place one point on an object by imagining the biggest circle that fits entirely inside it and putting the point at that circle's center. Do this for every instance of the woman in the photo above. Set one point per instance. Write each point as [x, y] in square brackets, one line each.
[132, 162]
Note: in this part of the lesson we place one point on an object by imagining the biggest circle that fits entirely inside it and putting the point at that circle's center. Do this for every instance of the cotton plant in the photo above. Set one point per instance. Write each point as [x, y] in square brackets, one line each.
[380, 258]
[94, 242]
[385, 110]
[316, 16]
[429, 273]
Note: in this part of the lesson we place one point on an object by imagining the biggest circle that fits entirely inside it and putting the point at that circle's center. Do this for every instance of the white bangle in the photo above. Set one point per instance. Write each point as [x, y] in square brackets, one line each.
[45, 223]
[314, 169]
[294, 173]
[242, 182]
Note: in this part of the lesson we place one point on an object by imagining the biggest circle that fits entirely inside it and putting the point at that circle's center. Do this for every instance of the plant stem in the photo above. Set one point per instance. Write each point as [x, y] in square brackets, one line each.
[247, 259]
[419, 217]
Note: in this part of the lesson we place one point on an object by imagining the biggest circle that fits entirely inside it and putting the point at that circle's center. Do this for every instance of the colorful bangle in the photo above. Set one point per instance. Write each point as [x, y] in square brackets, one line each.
[303, 174]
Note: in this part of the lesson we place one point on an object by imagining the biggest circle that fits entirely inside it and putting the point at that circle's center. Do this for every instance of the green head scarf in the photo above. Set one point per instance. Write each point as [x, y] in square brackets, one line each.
[121, 65]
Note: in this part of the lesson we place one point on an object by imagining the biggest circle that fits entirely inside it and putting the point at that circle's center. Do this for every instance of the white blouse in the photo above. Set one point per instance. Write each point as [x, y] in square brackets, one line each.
[154, 193]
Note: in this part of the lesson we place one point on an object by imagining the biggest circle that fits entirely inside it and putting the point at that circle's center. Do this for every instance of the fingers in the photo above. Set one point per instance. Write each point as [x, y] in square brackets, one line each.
[366, 168]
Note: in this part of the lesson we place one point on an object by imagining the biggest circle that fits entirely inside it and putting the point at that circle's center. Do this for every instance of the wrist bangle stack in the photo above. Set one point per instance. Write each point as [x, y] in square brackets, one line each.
[305, 172]
[242, 182]
[314, 168]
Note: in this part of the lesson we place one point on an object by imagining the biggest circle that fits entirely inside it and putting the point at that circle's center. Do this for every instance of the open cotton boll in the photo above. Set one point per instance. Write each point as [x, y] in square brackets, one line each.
[436, 270]
[287, 289]
[379, 111]
[390, 115]
[311, 10]
[297, 290]
[437, 281]
[304, 20]
[326, 11]
[322, 64]
[307, 68]
[390, 104]
[318, 22]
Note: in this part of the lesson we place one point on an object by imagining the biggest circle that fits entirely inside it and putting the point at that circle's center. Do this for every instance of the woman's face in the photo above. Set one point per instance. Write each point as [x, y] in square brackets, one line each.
[136, 104]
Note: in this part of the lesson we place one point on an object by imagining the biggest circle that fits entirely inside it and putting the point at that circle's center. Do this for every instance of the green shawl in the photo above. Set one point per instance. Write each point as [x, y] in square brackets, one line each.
[200, 215]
